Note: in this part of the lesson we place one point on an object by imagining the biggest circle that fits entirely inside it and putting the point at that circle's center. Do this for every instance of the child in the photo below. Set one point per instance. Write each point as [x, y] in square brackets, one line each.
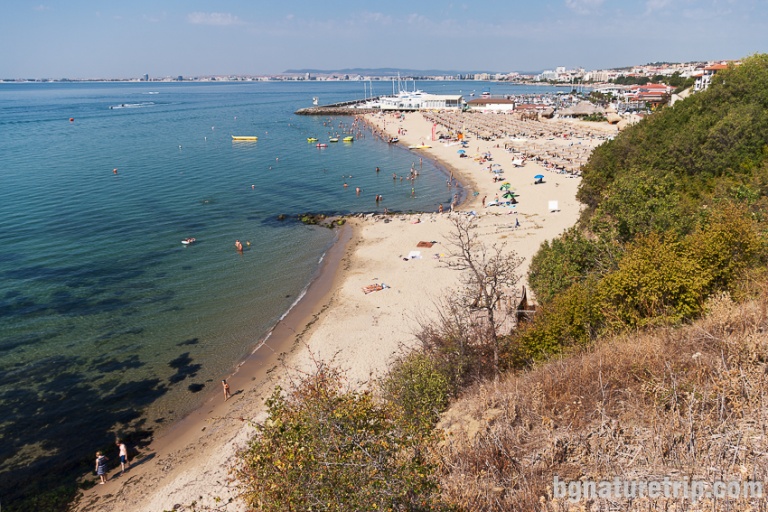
[123, 456]
[101, 467]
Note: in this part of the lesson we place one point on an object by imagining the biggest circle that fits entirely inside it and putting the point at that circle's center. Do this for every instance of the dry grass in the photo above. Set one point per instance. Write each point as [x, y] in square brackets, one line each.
[685, 402]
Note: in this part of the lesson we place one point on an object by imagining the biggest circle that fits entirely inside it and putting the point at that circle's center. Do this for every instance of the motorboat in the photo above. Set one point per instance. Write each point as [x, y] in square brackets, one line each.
[311, 139]
[348, 139]
[333, 139]
[393, 140]
[188, 241]
[322, 145]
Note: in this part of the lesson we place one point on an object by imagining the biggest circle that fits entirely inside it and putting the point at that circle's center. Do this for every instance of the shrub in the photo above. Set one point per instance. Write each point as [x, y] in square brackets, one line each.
[573, 318]
[727, 245]
[324, 448]
[566, 260]
[657, 282]
[416, 387]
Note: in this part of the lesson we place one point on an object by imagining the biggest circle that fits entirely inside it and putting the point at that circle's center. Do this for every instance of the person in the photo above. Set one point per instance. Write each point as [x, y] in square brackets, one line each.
[123, 455]
[484, 198]
[377, 169]
[101, 467]
[517, 223]
[440, 208]
[226, 390]
[238, 246]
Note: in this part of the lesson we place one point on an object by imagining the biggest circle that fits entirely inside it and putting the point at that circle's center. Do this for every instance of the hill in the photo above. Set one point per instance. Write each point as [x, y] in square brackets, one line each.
[647, 357]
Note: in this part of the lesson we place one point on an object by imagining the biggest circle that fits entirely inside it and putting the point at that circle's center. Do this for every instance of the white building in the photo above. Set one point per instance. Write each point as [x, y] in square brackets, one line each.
[418, 100]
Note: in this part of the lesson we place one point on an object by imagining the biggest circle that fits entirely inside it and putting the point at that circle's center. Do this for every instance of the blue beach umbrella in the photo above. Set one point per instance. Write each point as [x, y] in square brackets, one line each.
[461, 151]
[539, 177]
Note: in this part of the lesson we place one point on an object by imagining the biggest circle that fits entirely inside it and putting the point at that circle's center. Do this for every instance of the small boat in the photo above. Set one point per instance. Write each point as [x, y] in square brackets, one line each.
[245, 137]
[393, 140]
[311, 139]
[333, 139]
[188, 241]
[419, 146]
[348, 139]
[322, 145]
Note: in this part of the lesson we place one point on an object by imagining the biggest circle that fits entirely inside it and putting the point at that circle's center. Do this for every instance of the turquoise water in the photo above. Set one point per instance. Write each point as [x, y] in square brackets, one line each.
[108, 323]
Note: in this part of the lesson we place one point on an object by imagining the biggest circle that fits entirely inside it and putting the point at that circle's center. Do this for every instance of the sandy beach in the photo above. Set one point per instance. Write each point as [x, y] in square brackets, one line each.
[361, 332]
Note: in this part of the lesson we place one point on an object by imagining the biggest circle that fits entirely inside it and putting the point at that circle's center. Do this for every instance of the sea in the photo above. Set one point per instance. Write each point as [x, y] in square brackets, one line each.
[109, 325]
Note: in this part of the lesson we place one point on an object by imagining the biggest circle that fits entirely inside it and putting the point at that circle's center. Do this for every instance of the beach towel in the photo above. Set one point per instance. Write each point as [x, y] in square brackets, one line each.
[374, 288]
[414, 255]
[425, 244]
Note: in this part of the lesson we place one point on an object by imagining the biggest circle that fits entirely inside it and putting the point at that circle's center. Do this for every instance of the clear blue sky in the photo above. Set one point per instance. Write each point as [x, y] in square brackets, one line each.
[88, 38]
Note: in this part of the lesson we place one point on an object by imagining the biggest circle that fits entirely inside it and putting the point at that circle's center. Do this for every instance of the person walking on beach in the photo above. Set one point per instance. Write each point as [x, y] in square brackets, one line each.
[101, 467]
[226, 390]
[123, 455]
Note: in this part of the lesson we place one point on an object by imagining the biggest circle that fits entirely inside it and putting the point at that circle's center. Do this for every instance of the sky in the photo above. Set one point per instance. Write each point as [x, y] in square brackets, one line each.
[126, 39]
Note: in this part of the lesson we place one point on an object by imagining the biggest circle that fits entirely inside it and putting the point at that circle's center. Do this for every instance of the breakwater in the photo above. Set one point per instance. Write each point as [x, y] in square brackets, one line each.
[347, 108]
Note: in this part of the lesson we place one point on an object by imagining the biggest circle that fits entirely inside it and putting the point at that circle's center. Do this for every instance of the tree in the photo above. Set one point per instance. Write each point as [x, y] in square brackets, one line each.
[489, 279]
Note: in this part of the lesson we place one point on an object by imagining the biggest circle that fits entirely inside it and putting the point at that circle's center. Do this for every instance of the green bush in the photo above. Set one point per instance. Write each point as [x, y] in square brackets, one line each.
[416, 387]
[324, 448]
[567, 260]
[727, 245]
[657, 282]
[572, 319]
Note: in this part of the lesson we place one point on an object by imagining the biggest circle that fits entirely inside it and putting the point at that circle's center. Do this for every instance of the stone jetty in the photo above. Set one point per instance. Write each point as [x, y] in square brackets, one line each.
[344, 108]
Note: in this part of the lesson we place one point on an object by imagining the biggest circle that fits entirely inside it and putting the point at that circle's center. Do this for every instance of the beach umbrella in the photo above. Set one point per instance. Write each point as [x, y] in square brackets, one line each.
[509, 195]
[505, 186]
[461, 151]
[539, 177]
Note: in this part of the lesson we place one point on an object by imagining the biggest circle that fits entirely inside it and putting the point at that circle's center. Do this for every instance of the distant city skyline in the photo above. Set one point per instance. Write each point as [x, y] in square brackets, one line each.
[81, 39]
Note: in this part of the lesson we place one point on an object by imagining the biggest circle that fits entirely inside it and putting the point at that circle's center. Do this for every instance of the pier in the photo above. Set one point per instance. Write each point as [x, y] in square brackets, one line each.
[343, 108]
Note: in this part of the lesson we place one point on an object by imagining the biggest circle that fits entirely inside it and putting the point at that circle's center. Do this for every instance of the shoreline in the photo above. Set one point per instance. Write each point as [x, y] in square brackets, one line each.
[213, 421]
[337, 322]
